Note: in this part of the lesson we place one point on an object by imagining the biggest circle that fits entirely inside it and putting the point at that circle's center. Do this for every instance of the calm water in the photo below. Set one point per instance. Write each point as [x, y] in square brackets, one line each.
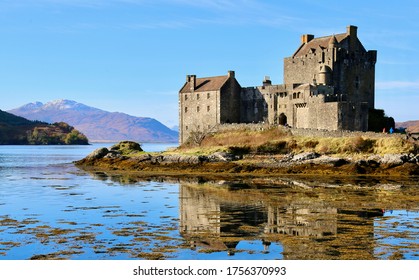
[51, 209]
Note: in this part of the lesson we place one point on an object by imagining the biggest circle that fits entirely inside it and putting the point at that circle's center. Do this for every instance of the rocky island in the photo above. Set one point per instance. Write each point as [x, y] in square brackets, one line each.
[274, 151]
[15, 130]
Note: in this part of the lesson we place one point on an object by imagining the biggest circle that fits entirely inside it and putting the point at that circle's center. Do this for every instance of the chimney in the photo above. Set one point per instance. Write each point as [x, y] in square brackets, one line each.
[267, 81]
[191, 79]
[306, 38]
[351, 30]
[230, 74]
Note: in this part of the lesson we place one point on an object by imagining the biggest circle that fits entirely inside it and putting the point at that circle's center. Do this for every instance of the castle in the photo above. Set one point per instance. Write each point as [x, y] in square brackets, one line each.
[328, 84]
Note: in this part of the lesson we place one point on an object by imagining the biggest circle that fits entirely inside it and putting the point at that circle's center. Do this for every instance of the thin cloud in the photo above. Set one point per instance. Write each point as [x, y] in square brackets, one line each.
[394, 85]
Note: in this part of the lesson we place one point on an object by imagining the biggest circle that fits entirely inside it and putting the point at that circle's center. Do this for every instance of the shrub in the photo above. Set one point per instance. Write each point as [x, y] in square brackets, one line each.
[360, 145]
[311, 144]
[239, 150]
[280, 147]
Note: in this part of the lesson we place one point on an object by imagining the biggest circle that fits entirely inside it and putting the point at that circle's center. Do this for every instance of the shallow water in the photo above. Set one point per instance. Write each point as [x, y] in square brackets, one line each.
[50, 209]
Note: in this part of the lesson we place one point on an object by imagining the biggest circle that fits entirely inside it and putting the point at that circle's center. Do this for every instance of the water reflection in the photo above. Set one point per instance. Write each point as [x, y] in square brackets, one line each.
[310, 222]
[305, 218]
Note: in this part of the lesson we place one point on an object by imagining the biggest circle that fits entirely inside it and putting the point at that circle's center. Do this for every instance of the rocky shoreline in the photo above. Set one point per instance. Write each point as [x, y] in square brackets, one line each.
[128, 156]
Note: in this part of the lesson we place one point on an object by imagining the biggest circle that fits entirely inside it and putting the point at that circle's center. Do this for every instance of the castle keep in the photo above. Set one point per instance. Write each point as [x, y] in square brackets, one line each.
[328, 84]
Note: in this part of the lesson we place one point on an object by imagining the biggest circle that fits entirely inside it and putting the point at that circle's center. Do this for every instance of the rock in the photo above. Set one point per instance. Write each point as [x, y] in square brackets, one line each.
[336, 162]
[305, 156]
[168, 159]
[394, 159]
[98, 153]
[414, 158]
[113, 154]
[127, 147]
[143, 158]
[221, 156]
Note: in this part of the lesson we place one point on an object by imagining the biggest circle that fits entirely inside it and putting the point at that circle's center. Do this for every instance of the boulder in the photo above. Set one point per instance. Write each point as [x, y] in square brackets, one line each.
[127, 147]
[98, 153]
[221, 156]
[394, 159]
[113, 154]
[305, 156]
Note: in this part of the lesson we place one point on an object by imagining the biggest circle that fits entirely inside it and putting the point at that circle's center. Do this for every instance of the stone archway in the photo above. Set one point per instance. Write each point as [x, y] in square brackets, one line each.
[282, 119]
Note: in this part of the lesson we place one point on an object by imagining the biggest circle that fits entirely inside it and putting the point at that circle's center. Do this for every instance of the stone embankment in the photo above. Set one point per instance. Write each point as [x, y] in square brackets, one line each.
[129, 157]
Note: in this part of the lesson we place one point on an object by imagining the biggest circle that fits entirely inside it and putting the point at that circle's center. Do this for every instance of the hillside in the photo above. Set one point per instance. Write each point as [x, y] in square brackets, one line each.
[15, 130]
[411, 126]
[97, 124]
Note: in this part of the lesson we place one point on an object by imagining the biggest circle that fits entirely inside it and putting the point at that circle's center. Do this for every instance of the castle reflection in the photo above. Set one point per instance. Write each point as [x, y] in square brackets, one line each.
[294, 217]
[309, 224]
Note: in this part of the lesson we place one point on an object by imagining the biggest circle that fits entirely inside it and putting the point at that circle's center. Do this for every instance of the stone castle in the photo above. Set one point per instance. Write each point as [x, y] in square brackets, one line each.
[328, 85]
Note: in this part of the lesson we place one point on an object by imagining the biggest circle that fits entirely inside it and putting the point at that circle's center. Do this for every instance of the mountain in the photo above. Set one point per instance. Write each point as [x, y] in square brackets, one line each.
[97, 124]
[15, 130]
[411, 126]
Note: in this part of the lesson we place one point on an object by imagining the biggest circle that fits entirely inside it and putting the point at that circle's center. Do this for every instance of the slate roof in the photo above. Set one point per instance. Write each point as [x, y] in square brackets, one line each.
[206, 84]
[321, 42]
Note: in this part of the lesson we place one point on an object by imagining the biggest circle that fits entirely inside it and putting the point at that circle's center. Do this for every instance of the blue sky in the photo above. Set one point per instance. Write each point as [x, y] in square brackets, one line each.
[133, 56]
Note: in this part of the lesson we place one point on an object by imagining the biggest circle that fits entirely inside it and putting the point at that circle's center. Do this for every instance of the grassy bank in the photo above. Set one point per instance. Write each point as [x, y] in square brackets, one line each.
[280, 141]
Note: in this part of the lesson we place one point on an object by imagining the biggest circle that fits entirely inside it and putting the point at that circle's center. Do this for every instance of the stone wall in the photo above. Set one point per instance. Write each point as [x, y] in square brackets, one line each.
[197, 112]
[301, 131]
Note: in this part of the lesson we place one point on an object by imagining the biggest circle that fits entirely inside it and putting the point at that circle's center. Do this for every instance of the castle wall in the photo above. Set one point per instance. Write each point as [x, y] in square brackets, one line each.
[230, 102]
[353, 116]
[299, 70]
[253, 107]
[198, 111]
[356, 76]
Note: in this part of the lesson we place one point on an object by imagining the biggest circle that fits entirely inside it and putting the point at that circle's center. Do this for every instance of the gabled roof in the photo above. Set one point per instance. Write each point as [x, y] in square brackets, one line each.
[206, 84]
[319, 43]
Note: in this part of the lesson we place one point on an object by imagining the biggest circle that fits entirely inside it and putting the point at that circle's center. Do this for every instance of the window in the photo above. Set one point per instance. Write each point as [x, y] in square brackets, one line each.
[186, 97]
[186, 109]
[357, 82]
[197, 108]
[186, 127]
[208, 108]
[208, 95]
[197, 96]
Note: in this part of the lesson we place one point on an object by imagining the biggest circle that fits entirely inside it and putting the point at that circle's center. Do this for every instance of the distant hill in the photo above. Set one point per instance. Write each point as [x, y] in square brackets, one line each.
[97, 124]
[15, 130]
[412, 126]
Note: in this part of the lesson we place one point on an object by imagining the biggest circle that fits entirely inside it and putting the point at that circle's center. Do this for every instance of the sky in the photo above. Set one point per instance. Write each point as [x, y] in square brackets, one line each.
[133, 56]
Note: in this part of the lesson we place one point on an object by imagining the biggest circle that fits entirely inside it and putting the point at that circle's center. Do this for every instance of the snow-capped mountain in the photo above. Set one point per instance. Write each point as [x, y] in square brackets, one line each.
[97, 124]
